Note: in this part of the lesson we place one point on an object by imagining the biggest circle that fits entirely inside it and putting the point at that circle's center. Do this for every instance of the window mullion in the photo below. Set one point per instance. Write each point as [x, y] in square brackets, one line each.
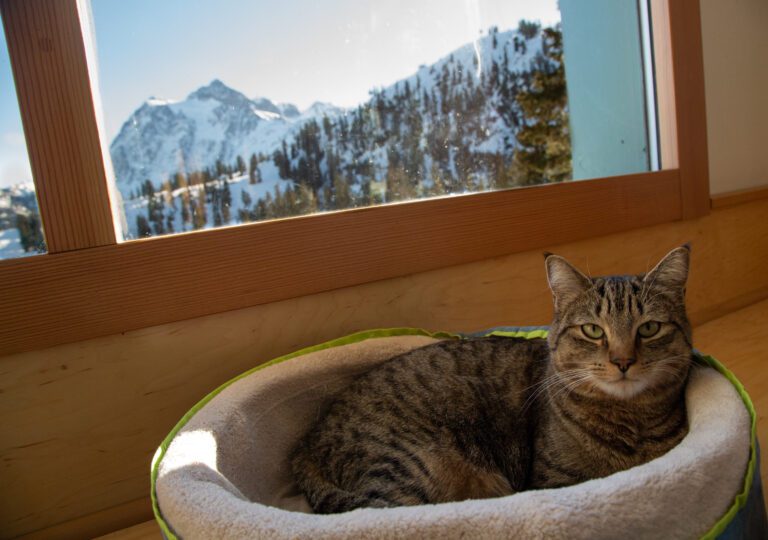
[688, 68]
[49, 65]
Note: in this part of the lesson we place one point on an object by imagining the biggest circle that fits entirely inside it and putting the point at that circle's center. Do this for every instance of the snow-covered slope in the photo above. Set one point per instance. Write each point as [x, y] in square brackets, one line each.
[213, 123]
[216, 122]
[450, 127]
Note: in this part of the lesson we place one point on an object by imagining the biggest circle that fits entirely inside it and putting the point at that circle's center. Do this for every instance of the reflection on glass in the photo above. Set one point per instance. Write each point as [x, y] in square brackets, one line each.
[21, 231]
[369, 103]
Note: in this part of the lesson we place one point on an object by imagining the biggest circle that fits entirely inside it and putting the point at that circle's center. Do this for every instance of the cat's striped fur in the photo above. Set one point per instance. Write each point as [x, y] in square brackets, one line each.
[465, 419]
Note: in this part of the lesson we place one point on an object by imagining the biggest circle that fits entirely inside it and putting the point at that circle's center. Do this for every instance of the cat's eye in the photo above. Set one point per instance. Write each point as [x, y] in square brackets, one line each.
[649, 329]
[592, 331]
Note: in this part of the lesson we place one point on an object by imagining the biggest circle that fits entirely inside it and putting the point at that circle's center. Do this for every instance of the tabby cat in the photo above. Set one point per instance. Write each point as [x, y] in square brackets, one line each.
[487, 417]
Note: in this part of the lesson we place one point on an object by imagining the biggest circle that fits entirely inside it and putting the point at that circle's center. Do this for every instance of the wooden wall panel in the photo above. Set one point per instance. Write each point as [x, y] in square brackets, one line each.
[79, 423]
[111, 289]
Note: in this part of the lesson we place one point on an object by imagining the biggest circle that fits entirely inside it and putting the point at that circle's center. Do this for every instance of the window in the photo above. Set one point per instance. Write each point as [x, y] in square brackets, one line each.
[21, 231]
[361, 104]
[91, 284]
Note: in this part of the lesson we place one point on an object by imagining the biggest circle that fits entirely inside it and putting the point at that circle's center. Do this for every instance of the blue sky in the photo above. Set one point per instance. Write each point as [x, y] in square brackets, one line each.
[289, 51]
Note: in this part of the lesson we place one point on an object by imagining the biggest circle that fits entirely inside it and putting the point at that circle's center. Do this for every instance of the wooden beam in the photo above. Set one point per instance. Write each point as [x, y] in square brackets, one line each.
[723, 200]
[688, 69]
[48, 56]
[68, 297]
[665, 83]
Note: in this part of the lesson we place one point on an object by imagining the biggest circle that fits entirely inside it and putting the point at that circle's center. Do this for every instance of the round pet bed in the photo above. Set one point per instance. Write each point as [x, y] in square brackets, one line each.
[223, 471]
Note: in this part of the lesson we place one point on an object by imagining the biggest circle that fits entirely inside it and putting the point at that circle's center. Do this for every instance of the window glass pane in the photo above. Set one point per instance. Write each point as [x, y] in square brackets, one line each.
[231, 111]
[21, 231]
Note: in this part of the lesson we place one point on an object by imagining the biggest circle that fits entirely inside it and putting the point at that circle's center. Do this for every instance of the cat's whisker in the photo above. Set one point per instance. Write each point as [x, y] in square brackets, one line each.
[550, 382]
[569, 388]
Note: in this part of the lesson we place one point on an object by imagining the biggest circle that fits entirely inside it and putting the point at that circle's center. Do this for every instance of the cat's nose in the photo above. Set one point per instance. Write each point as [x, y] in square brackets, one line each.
[623, 363]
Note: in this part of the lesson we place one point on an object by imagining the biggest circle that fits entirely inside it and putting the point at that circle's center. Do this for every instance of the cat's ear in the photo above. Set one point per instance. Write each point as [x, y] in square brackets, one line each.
[672, 270]
[565, 280]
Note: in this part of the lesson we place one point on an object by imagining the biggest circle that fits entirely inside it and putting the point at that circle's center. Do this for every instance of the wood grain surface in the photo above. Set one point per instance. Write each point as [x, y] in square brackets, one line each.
[690, 108]
[148, 530]
[48, 56]
[739, 197]
[48, 300]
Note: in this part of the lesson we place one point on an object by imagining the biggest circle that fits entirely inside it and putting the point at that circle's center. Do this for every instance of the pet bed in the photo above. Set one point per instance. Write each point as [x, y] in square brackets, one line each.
[223, 471]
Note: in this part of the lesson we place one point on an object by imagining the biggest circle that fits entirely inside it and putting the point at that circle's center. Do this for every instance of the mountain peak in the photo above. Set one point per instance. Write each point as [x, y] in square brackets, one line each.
[153, 101]
[218, 91]
[319, 108]
[264, 104]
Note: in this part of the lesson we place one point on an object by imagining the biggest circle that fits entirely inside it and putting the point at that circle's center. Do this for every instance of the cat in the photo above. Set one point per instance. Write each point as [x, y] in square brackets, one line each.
[492, 416]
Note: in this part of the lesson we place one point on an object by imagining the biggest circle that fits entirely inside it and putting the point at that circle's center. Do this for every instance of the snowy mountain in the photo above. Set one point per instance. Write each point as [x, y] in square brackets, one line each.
[452, 127]
[491, 114]
[214, 123]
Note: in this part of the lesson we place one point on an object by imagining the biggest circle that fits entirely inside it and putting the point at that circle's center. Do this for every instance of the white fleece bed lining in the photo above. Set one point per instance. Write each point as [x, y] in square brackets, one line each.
[226, 475]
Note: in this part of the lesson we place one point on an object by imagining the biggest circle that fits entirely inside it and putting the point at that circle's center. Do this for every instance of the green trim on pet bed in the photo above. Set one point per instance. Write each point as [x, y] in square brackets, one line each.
[738, 503]
[741, 499]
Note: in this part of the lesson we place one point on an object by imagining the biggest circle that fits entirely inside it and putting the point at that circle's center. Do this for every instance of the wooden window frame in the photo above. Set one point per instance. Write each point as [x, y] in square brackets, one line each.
[91, 285]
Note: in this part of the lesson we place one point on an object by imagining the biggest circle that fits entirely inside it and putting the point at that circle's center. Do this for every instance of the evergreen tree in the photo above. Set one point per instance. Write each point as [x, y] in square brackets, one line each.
[147, 189]
[254, 174]
[342, 194]
[544, 145]
[327, 127]
[226, 202]
[199, 216]
[291, 203]
[528, 29]
[221, 170]
[217, 219]
[170, 200]
[186, 210]
[169, 219]
[438, 184]
[245, 197]
[142, 226]
[282, 163]
[260, 210]
[306, 202]
[244, 212]
[240, 165]
[155, 210]
[327, 198]
[267, 204]
[30, 232]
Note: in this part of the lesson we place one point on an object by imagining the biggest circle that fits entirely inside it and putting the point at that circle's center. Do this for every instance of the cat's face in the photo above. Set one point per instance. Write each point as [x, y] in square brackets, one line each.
[620, 336]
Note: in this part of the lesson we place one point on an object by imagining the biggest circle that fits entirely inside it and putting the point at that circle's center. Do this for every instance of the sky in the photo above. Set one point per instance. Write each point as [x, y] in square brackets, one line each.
[14, 164]
[296, 51]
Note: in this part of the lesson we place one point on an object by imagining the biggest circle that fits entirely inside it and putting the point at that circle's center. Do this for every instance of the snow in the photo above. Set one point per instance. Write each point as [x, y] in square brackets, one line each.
[157, 102]
[266, 115]
[10, 245]
[270, 184]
